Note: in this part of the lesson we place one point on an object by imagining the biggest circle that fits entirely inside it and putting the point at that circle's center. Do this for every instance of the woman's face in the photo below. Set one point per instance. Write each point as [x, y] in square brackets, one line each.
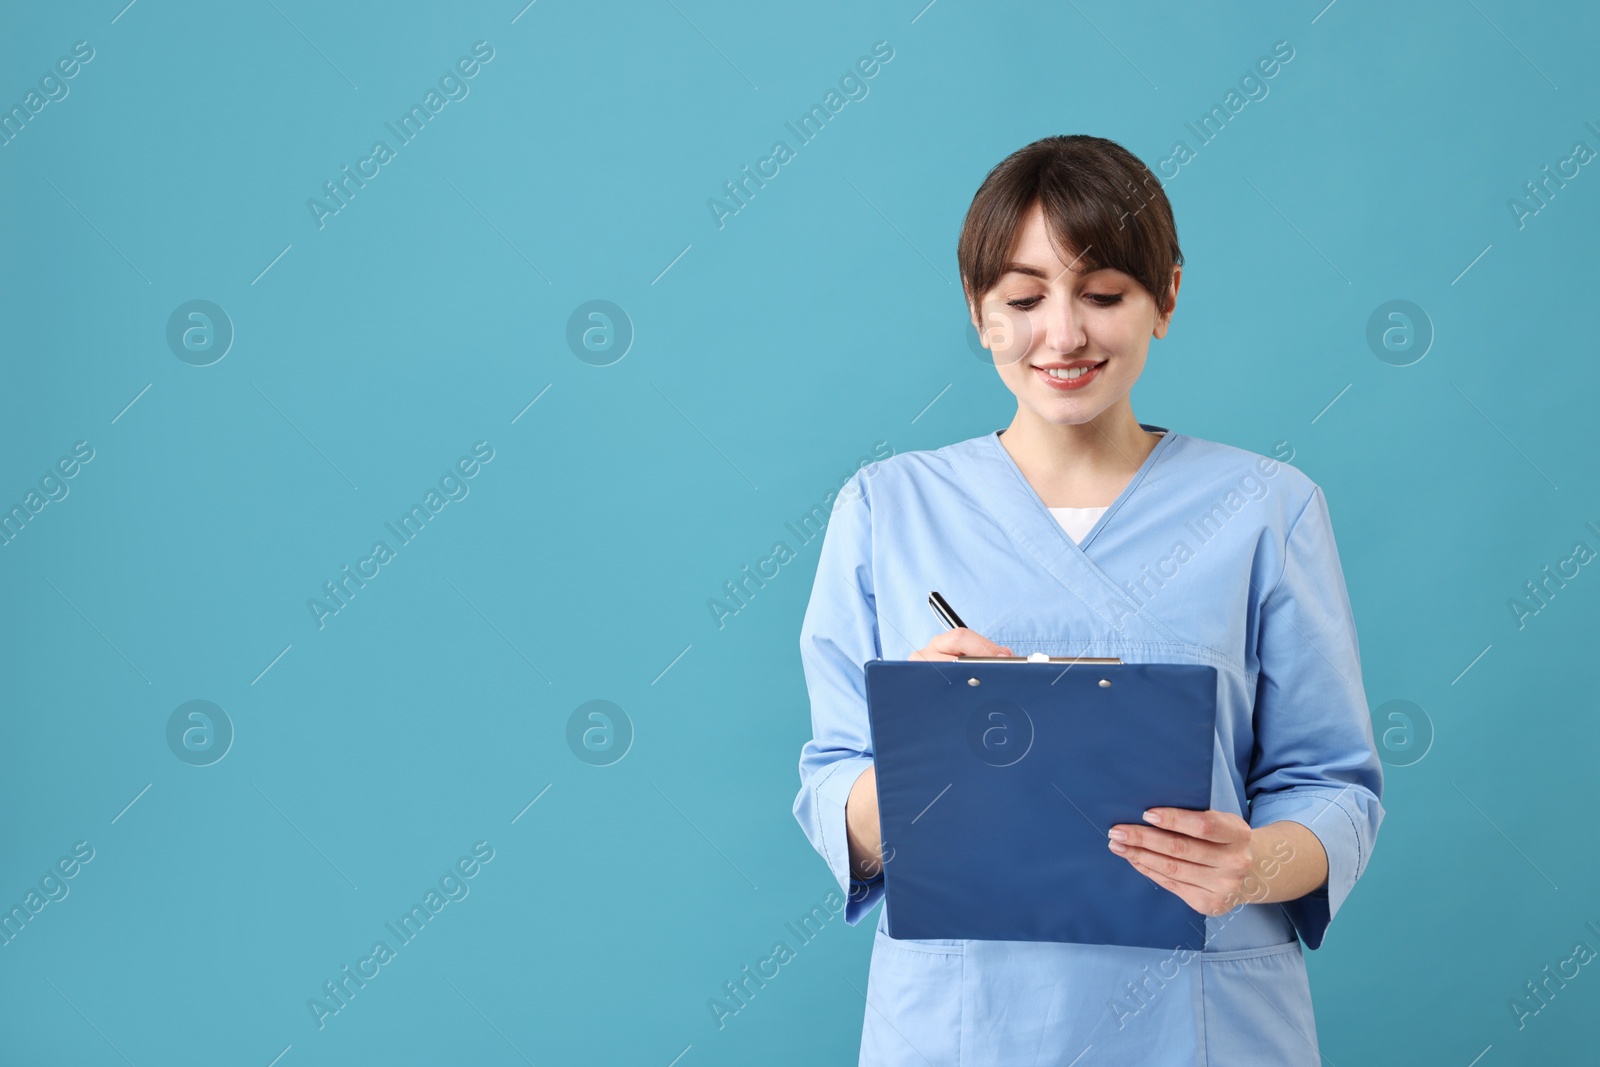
[1069, 345]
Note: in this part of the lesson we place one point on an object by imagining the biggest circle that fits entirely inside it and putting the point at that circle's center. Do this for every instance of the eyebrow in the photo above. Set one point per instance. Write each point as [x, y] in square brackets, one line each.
[1022, 268]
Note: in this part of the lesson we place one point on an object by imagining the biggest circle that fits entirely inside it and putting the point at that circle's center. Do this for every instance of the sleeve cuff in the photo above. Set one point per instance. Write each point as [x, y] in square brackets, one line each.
[1324, 814]
[832, 792]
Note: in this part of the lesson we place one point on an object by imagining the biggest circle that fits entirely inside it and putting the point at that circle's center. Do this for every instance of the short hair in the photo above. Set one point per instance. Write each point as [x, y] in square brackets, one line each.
[1102, 206]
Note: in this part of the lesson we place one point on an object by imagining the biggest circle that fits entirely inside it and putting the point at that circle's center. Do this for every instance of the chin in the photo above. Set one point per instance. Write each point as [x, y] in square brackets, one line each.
[1062, 415]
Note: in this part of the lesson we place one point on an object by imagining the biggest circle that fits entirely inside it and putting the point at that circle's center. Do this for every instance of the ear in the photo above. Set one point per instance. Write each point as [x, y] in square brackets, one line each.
[1165, 320]
[977, 324]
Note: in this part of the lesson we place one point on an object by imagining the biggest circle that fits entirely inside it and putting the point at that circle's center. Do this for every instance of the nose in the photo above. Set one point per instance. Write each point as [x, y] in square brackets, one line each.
[1063, 325]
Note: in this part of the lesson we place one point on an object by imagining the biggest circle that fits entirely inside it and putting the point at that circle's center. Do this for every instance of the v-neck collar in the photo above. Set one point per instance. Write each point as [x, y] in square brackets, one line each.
[993, 440]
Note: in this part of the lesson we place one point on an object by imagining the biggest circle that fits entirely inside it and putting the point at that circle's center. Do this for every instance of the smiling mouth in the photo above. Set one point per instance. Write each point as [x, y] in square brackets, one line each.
[1066, 378]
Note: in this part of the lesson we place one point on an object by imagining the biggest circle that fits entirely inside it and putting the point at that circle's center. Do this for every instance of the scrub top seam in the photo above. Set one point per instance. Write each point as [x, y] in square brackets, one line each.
[1073, 549]
[1167, 437]
[1019, 537]
[1287, 537]
[1158, 454]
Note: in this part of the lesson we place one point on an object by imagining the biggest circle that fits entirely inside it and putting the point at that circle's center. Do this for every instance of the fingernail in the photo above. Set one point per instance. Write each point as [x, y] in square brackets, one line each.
[1152, 817]
[1117, 846]
[1119, 835]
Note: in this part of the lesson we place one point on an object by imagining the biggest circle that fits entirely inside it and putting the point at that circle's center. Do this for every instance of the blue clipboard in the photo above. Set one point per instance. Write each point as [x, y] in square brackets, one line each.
[999, 779]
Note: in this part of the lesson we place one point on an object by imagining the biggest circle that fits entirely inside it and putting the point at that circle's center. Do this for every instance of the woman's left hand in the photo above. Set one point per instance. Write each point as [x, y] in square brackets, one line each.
[1205, 857]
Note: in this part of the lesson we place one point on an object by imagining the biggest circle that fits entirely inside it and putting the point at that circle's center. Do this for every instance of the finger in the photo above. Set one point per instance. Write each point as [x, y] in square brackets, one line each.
[1178, 889]
[1201, 900]
[1220, 826]
[1176, 870]
[934, 655]
[1176, 845]
[964, 642]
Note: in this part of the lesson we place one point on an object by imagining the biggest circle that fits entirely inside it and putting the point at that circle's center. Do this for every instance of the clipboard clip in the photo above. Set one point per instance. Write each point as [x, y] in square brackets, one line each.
[1038, 657]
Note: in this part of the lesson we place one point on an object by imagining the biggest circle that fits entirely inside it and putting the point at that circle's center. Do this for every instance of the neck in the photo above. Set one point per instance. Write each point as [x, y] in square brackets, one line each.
[1078, 465]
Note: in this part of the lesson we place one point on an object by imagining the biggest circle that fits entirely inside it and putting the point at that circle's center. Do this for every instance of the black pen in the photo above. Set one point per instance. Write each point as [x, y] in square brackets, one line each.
[945, 612]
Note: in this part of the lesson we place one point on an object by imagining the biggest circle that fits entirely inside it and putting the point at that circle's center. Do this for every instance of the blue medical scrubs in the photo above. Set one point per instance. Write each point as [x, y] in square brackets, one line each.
[1211, 555]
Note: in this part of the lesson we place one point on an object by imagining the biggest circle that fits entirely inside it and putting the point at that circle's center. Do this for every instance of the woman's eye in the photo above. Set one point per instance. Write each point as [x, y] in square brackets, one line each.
[1099, 299]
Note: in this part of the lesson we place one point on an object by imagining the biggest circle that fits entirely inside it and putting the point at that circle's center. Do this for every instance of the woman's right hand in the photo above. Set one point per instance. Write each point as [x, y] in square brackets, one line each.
[861, 806]
[953, 644]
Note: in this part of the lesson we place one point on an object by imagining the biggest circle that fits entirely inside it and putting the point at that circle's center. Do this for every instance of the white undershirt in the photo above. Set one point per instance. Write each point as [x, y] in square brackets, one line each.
[1077, 521]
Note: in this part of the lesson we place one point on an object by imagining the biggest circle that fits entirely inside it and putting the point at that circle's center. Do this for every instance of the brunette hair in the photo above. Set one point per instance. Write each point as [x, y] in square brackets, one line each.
[1102, 205]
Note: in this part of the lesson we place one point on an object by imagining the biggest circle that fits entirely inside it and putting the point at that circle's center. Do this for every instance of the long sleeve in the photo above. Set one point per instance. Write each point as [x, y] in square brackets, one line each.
[1314, 761]
[838, 636]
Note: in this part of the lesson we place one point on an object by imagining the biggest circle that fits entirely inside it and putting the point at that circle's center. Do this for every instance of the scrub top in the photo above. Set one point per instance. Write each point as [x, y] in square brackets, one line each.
[1210, 555]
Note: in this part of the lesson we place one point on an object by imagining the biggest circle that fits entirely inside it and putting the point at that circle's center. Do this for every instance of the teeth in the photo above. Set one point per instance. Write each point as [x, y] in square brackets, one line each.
[1069, 373]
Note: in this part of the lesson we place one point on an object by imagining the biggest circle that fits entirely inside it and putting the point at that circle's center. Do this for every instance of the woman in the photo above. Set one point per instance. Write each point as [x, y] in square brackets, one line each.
[1079, 531]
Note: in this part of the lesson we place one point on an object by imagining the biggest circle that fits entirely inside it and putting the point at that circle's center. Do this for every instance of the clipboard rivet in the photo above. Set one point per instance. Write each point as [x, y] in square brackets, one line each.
[973, 681]
[1104, 684]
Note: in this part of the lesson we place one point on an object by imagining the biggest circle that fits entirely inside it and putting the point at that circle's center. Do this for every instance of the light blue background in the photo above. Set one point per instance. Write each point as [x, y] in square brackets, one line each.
[771, 356]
